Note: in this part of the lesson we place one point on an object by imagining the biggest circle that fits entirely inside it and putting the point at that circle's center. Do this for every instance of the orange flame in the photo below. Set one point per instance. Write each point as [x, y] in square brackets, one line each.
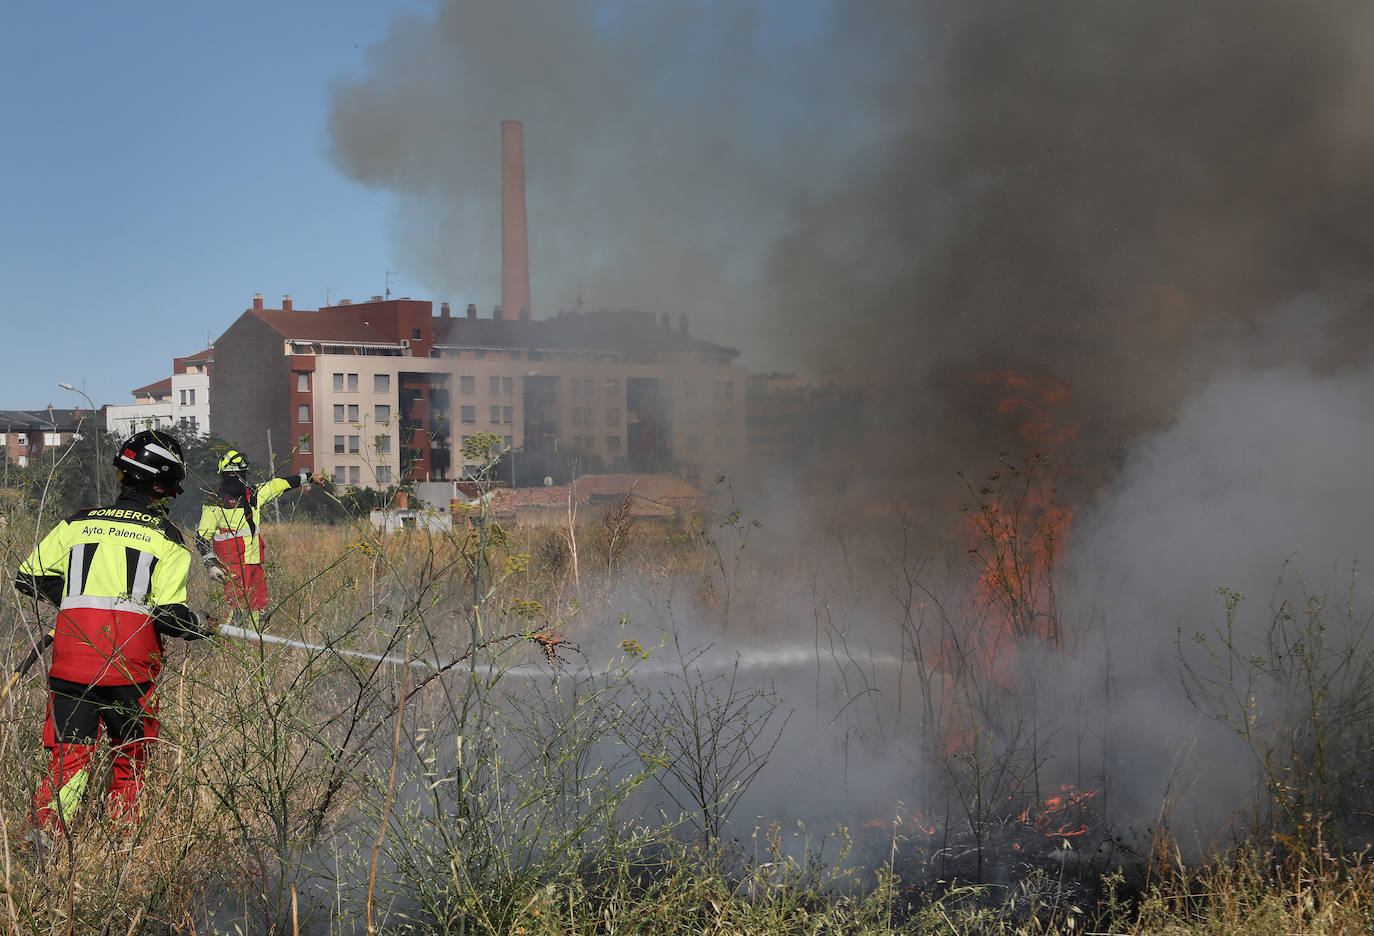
[1018, 527]
[1061, 814]
[1018, 523]
[913, 819]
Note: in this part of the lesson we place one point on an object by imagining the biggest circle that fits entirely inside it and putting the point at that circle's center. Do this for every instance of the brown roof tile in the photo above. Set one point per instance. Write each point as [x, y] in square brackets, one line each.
[163, 385]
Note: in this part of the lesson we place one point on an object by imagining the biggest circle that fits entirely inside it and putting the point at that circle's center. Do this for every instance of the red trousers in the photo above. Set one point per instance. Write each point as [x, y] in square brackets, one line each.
[77, 717]
[245, 585]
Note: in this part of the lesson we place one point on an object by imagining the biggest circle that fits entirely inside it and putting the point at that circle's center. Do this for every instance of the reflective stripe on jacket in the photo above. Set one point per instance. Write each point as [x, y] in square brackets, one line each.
[116, 573]
[238, 519]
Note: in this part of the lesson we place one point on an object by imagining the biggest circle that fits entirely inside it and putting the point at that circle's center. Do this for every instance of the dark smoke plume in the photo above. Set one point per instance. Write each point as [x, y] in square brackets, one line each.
[1156, 212]
[1130, 197]
[1127, 197]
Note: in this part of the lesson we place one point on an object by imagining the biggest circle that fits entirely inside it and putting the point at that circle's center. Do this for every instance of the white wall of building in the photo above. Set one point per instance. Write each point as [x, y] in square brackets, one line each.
[124, 419]
[191, 401]
[705, 406]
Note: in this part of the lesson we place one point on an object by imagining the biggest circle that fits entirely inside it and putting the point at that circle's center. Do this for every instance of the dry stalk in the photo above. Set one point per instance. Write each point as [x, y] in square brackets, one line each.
[390, 792]
[572, 539]
[549, 643]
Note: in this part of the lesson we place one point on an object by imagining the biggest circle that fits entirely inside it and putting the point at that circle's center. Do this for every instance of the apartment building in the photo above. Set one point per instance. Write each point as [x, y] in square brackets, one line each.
[27, 435]
[180, 402]
[383, 391]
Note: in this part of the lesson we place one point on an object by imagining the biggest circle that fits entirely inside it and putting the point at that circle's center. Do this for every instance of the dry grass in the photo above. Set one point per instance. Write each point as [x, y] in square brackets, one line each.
[269, 784]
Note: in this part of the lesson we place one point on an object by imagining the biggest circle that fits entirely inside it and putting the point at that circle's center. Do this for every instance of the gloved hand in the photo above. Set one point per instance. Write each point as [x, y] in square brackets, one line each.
[207, 625]
[216, 572]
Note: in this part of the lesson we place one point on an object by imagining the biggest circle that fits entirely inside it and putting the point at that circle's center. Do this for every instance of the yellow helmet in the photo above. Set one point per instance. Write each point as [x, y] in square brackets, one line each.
[233, 463]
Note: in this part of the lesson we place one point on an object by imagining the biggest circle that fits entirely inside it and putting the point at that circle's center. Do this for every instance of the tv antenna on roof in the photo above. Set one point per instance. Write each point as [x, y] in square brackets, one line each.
[389, 275]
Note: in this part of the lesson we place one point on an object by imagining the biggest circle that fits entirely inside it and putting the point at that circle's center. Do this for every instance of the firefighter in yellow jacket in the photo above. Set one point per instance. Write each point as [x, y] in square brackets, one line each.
[118, 577]
[229, 533]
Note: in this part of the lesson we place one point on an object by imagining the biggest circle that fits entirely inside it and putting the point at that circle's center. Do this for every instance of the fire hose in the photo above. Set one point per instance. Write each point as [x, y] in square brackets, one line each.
[240, 633]
[548, 642]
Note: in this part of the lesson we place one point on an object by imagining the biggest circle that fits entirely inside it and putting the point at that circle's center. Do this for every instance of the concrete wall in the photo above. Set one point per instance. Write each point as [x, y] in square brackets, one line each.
[250, 390]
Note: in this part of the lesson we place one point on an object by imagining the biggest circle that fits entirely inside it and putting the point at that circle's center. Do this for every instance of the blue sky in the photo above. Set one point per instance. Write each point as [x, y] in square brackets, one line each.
[164, 161]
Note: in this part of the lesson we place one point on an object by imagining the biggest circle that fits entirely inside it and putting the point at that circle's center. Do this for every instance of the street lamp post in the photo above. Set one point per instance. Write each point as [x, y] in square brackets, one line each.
[99, 488]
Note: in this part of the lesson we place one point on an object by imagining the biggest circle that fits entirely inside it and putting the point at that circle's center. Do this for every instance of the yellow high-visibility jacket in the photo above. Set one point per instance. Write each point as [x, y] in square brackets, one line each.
[230, 520]
[118, 576]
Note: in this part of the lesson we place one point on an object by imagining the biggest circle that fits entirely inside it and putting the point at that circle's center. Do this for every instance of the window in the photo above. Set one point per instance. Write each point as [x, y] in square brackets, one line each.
[383, 474]
[612, 387]
[23, 438]
[303, 445]
[303, 381]
[381, 383]
[52, 438]
[506, 384]
[575, 386]
[496, 414]
[505, 415]
[613, 444]
[353, 474]
[467, 384]
[353, 445]
[382, 413]
[340, 474]
[382, 444]
[3, 440]
[303, 413]
[725, 389]
[338, 445]
[192, 394]
[338, 412]
[415, 333]
[725, 417]
[693, 444]
[353, 412]
[183, 398]
[468, 414]
[576, 418]
[506, 440]
[691, 389]
[352, 383]
[612, 415]
[494, 386]
[338, 383]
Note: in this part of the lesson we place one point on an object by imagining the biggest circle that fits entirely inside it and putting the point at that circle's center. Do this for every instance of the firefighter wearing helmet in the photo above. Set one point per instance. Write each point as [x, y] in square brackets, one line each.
[230, 532]
[117, 575]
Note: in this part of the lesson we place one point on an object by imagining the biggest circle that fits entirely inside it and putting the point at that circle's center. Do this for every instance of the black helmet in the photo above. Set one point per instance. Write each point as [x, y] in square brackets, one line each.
[151, 457]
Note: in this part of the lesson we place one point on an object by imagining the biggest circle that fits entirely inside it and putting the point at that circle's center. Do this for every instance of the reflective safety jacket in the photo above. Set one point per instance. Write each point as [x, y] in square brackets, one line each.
[118, 576]
[230, 520]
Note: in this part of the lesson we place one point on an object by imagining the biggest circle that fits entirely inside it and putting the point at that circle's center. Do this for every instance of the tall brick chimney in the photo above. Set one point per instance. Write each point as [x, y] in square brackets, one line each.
[515, 245]
[286, 303]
